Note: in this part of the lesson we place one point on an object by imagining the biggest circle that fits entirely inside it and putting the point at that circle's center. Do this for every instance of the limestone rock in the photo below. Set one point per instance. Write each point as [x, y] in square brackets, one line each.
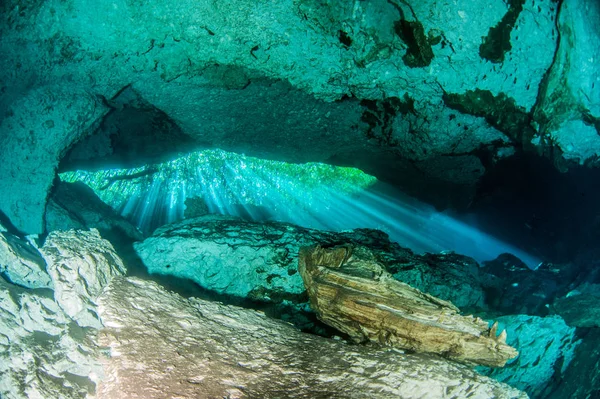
[43, 353]
[582, 380]
[569, 103]
[21, 263]
[513, 288]
[546, 348]
[218, 69]
[39, 126]
[579, 310]
[259, 261]
[81, 264]
[351, 291]
[46, 349]
[76, 206]
[162, 344]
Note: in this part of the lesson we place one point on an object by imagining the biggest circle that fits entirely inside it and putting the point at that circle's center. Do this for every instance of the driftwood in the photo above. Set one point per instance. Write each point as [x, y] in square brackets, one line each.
[351, 291]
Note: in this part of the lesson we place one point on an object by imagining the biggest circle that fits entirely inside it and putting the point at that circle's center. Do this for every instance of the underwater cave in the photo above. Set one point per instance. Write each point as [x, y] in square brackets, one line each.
[300, 199]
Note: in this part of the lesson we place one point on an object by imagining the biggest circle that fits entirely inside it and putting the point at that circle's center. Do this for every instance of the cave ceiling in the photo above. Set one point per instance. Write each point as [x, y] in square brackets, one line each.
[426, 95]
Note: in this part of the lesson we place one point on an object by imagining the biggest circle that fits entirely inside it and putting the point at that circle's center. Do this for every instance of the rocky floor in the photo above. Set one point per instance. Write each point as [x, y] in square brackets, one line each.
[88, 330]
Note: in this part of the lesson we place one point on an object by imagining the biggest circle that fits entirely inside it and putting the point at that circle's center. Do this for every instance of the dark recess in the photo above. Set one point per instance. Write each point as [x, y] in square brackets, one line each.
[134, 133]
[497, 43]
[499, 111]
[344, 38]
[419, 52]
[527, 201]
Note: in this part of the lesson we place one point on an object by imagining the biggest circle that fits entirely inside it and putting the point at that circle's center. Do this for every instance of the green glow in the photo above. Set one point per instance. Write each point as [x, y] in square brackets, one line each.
[222, 179]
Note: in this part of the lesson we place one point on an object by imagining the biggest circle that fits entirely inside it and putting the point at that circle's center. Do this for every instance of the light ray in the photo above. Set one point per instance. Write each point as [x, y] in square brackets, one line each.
[310, 195]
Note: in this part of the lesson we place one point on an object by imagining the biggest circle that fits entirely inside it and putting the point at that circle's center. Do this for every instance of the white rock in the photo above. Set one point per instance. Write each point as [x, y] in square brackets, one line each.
[81, 264]
[223, 349]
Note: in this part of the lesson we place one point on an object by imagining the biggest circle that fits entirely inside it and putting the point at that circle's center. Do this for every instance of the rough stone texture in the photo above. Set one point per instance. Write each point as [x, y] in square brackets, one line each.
[579, 310]
[452, 277]
[259, 260]
[582, 380]
[569, 104]
[43, 352]
[162, 344]
[358, 83]
[21, 263]
[513, 288]
[351, 291]
[546, 349]
[35, 132]
[76, 206]
[81, 264]
[46, 349]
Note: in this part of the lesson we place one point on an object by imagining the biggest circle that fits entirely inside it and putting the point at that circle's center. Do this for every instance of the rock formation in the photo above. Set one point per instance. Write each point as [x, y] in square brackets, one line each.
[547, 348]
[95, 334]
[75, 206]
[407, 91]
[162, 344]
[47, 344]
[258, 261]
[351, 291]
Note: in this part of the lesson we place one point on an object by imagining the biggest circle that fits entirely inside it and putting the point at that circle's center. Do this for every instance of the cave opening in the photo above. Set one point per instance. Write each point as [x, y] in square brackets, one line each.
[301, 198]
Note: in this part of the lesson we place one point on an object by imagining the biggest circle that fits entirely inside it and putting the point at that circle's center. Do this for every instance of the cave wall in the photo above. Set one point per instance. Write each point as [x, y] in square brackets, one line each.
[423, 94]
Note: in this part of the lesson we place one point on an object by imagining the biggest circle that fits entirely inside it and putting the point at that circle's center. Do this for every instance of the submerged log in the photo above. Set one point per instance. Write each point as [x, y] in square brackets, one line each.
[351, 291]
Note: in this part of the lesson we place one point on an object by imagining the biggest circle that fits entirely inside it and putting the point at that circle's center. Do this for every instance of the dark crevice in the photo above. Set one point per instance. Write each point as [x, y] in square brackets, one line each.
[499, 111]
[418, 53]
[537, 110]
[497, 43]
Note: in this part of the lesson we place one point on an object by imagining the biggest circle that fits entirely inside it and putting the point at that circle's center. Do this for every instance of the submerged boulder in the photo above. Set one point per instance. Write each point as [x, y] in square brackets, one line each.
[351, 291]
[21, 263]
[205, 349]
[47, 349]
[582, 379]
[76, 206]
[81, 264]
[259, 261]
[546, 349]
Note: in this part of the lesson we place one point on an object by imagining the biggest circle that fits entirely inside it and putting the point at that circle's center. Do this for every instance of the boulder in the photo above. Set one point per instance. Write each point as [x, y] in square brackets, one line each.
[546, 346]
[258, 261]
[21, 263]
[81, 264]
[581, 380]
[47, 348]
[163, 344]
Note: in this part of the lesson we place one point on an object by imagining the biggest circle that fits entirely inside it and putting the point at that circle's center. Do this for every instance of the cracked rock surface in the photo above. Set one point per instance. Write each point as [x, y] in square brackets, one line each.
[47, 348]
[161, 344]
[358, 83]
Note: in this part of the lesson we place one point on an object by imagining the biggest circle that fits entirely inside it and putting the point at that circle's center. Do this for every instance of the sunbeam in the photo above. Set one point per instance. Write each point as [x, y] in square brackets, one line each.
[309, 195]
